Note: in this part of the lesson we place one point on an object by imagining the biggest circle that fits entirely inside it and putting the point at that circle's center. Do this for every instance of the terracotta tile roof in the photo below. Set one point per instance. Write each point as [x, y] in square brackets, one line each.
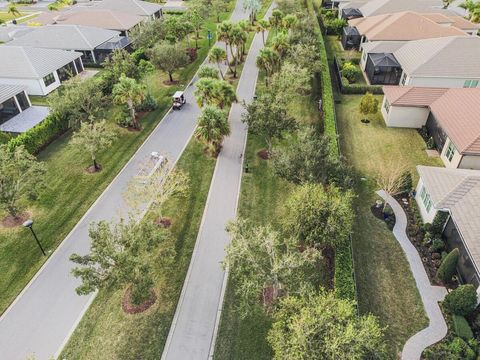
[400, 26]
[457, 110]
[458, 191]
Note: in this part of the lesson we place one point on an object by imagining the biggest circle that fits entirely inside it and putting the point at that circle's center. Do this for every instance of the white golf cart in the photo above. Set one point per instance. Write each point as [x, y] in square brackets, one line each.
[178, 100]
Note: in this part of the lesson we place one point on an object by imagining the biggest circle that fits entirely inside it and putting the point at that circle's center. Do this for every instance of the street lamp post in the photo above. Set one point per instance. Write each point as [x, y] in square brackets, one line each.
[29, 224]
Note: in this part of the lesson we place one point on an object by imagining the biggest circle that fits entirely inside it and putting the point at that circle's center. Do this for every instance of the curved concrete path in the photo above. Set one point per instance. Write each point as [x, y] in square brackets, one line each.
[431, 295]
[194, 326]
[44, 315]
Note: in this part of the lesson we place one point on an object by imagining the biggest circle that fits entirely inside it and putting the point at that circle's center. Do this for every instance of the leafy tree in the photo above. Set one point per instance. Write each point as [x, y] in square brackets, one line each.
[217, 55]
[168, 57]
[253, 6]
[212, 127]
[120, 62]
[218, 7]
[119, 257]
[207, 72]
[448, 267]
[178, 27]
[262, 26]
[131, 93]
[155, 188]
[263, 263]
[149, 34]
[78, 100]
[318, 216]
[93, 137]
[268, 118]
[21, 176]
[196, 20]
[321, 326]
[305, 57]
[462, 300]
[368, 105]
[291, 80]
[309, 159]
[214, 92]
[268, 61]
[350, 72]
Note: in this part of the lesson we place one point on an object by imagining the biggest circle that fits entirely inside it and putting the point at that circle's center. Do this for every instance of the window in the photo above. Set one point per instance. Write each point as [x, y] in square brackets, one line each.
[450, 151]
[470, 83]
[23, 101]
[364, 55]
[427, 201]
[49, 79]
[386, 106]
[404, 78]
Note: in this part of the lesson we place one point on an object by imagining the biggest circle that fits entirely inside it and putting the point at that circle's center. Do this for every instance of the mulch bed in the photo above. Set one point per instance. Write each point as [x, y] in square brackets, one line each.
[130, 308]
[92, 170]
[164, 222]
[431, 260]
[14, 221]
[264, 154]
[168, 82]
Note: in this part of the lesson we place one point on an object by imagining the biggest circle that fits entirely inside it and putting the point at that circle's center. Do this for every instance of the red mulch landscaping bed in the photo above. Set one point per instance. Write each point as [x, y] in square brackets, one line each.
[14, 221]
[264, 154]
[164, 222]
[130, 308]
[92, 170]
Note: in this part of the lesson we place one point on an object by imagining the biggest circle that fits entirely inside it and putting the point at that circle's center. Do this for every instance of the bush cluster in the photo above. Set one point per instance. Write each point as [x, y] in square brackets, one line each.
[448, 266]
[462, 300]
[461, 327]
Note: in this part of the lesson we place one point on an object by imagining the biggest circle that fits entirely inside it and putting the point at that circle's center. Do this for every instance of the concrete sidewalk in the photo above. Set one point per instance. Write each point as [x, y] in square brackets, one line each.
[431, 295]
[193, 330]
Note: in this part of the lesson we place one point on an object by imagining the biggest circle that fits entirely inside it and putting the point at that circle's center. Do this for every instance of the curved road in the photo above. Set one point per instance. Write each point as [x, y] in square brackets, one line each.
[42, 318]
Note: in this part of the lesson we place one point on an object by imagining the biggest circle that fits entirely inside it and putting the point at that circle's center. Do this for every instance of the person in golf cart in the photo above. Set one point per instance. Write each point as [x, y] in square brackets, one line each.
[178, 100]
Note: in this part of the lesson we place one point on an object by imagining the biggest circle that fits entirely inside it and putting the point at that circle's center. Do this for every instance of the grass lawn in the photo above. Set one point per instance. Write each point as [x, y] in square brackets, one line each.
[70, 192]
[385, 284]
[106, 332]
[5, 16]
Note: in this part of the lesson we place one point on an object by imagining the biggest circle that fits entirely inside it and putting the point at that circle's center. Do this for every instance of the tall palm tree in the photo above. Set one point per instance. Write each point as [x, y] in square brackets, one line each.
[276, 19]
[217, 55]
[262, 26]
[289, 21]
[12, 10]
[223, 94]
[131, 93]
[237, 38]
[212, 127]
[204, 92]
[267, 60]
[281, 44]
[223, 33]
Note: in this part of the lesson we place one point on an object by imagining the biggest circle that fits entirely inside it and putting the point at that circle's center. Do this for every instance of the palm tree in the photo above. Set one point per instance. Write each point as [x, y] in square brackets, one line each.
[212, 127]
[289, 21]
[253, 6]
[473, 9]
[267, 60]
[12, 10]
[276, 18]
[223, 94]
[281, 44]
[131, 93]
[205, 90]
[223, 33]
[217, 55]
[237, 38]
[262, 26]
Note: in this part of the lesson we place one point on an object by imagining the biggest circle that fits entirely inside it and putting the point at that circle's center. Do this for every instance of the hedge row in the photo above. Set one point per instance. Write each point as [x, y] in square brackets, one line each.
[38, 137]
[344, 281]
[328, 104]
[357, 89]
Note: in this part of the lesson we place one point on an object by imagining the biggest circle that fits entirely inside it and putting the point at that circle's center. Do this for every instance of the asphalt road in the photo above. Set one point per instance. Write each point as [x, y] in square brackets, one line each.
[196, 319]
[42, 318]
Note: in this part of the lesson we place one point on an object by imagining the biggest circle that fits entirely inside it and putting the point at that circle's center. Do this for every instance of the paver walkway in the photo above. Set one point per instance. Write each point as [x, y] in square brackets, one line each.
[193, 330]
[47, 311]
[431, 295]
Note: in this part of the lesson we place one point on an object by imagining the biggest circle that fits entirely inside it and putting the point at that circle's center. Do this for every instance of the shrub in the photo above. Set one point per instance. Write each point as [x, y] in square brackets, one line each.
[462, 300]
[145, 67]
[438, 223]
[356, 89]
[350, 72]
[448, 266]
[4, 138]
[460, 348]
[334, 26]
[344, 282]
[149, 104]
[461, 327]
[438, 245]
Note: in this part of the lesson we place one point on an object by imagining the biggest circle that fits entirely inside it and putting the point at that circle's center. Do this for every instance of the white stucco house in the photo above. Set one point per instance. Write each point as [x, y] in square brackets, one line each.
[451, 117]
[456, 192]
[40, 70]
[449, 62]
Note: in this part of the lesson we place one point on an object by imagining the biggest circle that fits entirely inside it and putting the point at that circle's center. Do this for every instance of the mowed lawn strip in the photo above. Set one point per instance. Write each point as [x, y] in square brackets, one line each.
[385, 283]
[69, 191]
[106, 332]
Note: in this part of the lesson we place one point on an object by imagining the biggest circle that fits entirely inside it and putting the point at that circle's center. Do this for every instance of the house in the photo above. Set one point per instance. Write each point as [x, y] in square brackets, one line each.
[95, 44]
[135, 7]
[402, 26]
[17, 114]
[451, 117]
[454, 20]
[100, 18]
[457, 192]
[365, 8]
[39, 70]
[430, 62]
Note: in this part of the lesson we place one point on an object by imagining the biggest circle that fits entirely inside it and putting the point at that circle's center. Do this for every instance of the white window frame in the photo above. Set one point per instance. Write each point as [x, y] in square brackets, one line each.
[386, 106]
[470, 83]
[426, 200]
[450, 151]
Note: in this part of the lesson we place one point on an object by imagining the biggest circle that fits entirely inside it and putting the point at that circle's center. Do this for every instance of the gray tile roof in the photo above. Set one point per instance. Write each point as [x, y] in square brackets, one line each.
[378, 7]
[134, 7]
[26, 120]
[66, 37]
[8, 91]
[32, 63]
[458, 191]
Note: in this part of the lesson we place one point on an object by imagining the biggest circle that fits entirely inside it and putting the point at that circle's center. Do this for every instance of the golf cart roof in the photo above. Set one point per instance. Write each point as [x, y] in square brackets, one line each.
[178, 94]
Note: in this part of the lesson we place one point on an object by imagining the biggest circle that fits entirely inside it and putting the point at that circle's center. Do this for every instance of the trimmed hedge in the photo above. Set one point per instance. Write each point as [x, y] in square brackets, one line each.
[330, 127]
[344, 281]
[448, 266]
[38, 137]
[361, 89]
[461, 327]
